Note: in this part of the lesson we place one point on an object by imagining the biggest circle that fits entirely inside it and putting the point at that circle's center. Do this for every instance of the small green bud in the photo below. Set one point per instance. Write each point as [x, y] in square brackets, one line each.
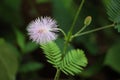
[88, 20]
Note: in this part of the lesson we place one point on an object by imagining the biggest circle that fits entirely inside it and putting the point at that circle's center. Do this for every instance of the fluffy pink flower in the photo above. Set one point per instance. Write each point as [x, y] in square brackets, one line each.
[42, 30]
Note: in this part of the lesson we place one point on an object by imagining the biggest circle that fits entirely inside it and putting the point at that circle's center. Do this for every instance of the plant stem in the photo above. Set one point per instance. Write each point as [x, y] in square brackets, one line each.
[81, 29]
[76, 16]
[57, 75]
[62, 32]
[68, 37]
[94, 30]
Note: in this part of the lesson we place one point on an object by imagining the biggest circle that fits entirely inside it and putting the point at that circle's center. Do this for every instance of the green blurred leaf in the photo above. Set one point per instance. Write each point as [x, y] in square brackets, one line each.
[10, 12]
[90, 43]
[8, 61]
[29, 47]
[25, 47]
[20, 39]
[113, 57]
[30, 66]
[91, 70]
[67, 4]
[1, 40]
[63, 12]
[42, 1]
[13, 4]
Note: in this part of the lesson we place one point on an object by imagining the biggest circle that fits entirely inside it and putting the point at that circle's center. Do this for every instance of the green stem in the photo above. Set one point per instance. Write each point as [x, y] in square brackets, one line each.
[81, 29]
[76, 16]
[57, 75]
[63, 32]
[94, 30]
[68, 37]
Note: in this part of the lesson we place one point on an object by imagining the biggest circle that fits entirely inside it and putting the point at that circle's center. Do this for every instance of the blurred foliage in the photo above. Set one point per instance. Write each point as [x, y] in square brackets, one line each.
[10, 12]
[90, 43]
[92, 70]
[13, 25]
[42, 1]
[8, 61]
[30, 66]
[26, 47]
[113, 57]
[63, 12]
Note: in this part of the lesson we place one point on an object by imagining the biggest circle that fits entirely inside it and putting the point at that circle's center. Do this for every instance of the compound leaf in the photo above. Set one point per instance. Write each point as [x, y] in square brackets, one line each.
[113, 11]
[53, 53]
[73, 62]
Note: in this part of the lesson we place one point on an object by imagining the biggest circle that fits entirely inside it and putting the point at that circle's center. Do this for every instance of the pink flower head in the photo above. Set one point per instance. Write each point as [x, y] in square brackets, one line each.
[42, 30]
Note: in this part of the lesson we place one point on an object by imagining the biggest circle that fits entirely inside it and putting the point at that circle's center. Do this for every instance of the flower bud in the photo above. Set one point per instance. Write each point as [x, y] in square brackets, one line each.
[87, 20]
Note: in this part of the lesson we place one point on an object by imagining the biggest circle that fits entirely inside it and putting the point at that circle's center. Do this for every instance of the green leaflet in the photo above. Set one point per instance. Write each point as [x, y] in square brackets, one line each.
[72, 63]
[113, 11]
[53, 53]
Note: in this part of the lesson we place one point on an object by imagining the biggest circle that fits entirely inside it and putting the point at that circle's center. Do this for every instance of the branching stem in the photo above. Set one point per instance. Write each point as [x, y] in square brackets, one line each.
[94, 30]
[68, 37]
[81, 29]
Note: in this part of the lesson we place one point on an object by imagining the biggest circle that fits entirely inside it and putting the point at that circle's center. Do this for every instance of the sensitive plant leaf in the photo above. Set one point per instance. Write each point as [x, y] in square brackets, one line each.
[8, 61]
[73, 62]
[113, 11]
[30, 66]
[53, 53]
[112, 58]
